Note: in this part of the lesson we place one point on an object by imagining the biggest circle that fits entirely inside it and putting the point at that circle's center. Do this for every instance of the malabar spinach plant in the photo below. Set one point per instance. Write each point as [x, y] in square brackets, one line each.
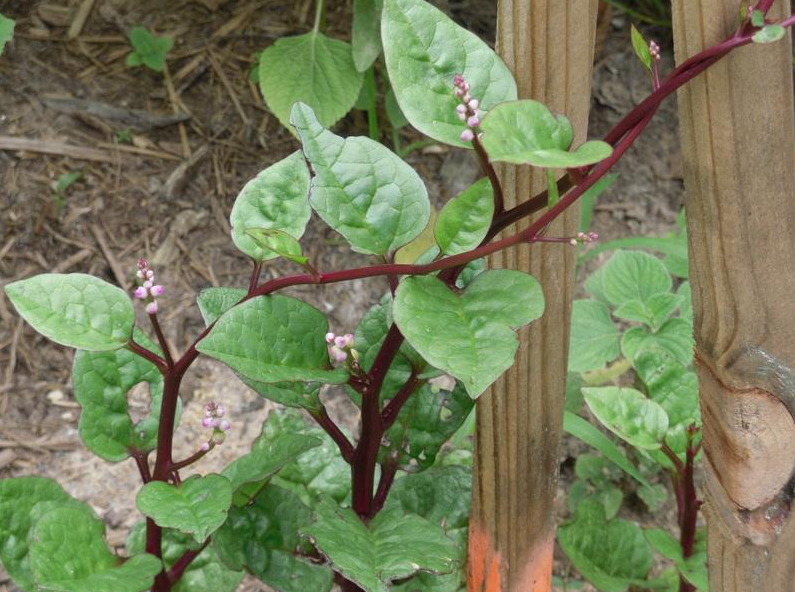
[638, 383]
[306, 507]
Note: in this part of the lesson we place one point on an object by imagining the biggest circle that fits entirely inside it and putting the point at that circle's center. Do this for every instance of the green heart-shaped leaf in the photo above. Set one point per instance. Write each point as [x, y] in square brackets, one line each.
[277, 199]
[629, 414]
[465, 220]
[424, 49]
[75, 310]
[102, 381]
[526, 132]
[213, 302]
[23, 500]
[68, 553]
[594, 337]
[468, 336]
[262, 538]
[312, 69]
[267, 456]
[273, 339]
[279, 243]
[197, 506]
[362, 189]
[393, 546]
[612, 555]
[634, 275]
[674, 336]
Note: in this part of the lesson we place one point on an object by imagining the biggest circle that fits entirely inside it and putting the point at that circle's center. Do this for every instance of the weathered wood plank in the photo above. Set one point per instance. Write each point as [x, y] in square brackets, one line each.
[549, 47]
[738, 135]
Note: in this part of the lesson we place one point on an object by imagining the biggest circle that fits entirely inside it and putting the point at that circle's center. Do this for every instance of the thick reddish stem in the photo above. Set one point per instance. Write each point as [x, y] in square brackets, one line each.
[161, 339]
[321, 416]
[148, 355]
[181, 564]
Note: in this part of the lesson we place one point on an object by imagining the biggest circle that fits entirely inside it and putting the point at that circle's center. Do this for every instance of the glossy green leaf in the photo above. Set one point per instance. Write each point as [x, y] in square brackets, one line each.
[634, 275]
[366, 32]
[276, 199]
[427, 420]
[424, 49]
[102, 382]
[464, 220]
[629, 414]
[612, 555]
[319, 471]
[583, 430]
[273, 339]
[362, 189]
[279, 243]
[22, 501]
[312, 69]
[653, 312]
[262, 538]
[213, 302]
[769, 34]
[440, 495]
[526, 132]
[6, 31]
[148, 50]
[68, 553]
[594, 337]
[268, 455]
[674, 336]
[393, 546]
[641, 47]
[197, 506]
[671, 385]
[206, 573]
[469, 336]
[75, 310]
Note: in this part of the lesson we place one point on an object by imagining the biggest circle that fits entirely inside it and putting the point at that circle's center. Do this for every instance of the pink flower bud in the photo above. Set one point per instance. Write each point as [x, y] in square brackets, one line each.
[151, 308]
[460, 92]
[140, 274]
[467, 135]
[458, 80]
[473, 121]
[140, 292]
[461, 109]
[348, 339]
[467, 97]
[219, 410]
[573, 242]
[330, 337]
[474, 104]
[142, 264]
[215, 422]
[207, 422]
[147, 284]
[340, 341]
[462, 116]
[150, 274]
[337, 354]
[225, 426]
[205, 447]
[157, 290]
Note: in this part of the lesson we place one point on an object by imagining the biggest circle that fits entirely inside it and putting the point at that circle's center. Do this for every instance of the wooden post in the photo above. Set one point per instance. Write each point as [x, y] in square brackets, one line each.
[738, 135]
[548, 45]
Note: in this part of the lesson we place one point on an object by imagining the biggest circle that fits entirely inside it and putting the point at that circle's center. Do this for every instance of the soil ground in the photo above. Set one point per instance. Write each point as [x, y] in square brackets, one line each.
[138, 197]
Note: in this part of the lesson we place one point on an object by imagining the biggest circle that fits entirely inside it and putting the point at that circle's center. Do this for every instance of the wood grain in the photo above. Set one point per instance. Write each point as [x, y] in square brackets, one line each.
[549, 47]
[738, 136]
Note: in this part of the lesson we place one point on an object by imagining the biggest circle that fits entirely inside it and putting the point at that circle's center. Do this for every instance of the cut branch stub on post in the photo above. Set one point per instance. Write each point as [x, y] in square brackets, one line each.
[549, 47]
[738, 135]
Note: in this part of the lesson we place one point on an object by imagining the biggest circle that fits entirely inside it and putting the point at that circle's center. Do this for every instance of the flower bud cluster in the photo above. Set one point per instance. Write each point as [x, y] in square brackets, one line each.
[147, 290]
[213, 418]
[584, 237]
[340, 347]
[654, 50]
[467, 110]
